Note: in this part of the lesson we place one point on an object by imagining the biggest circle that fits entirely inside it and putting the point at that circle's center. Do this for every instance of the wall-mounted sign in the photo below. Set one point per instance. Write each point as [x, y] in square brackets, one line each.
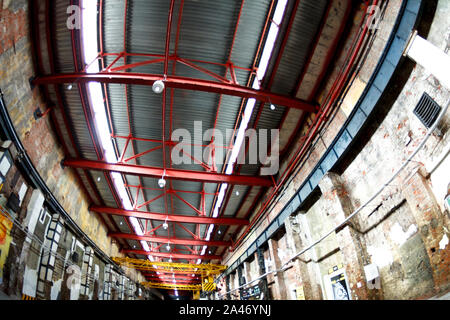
[336, 284]
[252, 293]
[300, 293]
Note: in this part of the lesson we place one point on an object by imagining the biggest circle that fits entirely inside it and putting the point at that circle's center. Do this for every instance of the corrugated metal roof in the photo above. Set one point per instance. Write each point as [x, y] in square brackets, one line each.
[207, 29]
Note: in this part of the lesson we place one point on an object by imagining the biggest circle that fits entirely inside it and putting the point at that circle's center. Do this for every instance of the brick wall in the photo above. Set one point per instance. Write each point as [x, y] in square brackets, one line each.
[42, 146]
[404, 232]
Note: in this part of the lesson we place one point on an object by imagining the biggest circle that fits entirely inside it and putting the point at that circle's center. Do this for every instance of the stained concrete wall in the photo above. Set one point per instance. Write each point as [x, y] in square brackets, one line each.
[403, 234]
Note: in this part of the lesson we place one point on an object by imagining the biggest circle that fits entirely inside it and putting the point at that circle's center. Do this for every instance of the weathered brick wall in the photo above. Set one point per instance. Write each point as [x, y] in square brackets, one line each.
[404, 232]
[319, 148]
[38, 138]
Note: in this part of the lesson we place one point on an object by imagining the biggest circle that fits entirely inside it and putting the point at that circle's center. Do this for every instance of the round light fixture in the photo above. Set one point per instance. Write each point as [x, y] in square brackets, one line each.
[272, 107]
[168, 247]
[165, 225]
[158, 86]
[161, 183]
[69, 87]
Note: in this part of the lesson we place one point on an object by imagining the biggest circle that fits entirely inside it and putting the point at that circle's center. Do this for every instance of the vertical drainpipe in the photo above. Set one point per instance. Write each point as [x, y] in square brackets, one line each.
[227, 286]
[240, 280]
[262, 268]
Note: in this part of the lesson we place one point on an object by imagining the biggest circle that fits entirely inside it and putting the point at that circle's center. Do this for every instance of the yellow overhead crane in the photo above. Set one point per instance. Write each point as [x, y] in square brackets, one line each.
[206, 271]
[173, 286]
[147, 265]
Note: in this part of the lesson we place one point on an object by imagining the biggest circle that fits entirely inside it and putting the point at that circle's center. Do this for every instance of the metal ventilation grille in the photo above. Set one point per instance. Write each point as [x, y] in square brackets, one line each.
[427, 110]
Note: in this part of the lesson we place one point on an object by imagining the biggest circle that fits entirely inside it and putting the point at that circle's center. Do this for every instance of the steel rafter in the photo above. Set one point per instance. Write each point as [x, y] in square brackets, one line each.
[172, 255]
[299, 82]
[160, 58]
[260, 108]
[169, 217]
[178, 83]
[333, 93]
[173, 241]
[176, 174]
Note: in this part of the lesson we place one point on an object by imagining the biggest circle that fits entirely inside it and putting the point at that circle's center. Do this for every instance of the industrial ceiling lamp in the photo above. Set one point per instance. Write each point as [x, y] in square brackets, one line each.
[162, 181]
[158, 87]
[165, 224]
[272, 107]
[168, 247]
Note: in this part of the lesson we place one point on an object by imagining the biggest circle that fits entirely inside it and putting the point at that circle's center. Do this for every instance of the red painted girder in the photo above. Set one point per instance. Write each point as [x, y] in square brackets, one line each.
[175, 241]
[172, 255]
[179, 83]
[176, 174]
[169, 218]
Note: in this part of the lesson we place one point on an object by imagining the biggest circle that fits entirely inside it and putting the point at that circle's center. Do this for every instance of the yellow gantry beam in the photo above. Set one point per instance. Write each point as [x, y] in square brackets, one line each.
[185, 287]
[147, 265]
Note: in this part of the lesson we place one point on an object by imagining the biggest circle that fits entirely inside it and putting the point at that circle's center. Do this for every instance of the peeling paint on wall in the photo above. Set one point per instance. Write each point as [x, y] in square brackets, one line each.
[30, 278]
[400, 237]
[56, 288]
[382, 257]
[444, 242]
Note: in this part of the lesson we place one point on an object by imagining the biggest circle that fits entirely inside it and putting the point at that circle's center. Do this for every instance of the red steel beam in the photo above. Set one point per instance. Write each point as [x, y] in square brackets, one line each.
[176, 174]
[312, 131]
[178, 83]
[172, 255]
[174, 241]
[169, 218]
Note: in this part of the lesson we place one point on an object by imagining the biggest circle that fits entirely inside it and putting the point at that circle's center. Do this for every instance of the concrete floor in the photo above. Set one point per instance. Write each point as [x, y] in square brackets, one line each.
[445, 296]
[3, 296]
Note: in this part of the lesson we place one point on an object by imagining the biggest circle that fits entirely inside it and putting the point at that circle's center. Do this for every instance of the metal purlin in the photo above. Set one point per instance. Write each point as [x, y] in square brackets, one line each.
[353, 127]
